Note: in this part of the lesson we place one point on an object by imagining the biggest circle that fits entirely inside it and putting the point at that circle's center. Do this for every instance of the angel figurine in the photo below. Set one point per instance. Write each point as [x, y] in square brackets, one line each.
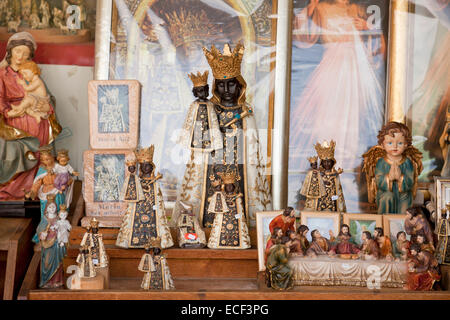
[392, 168]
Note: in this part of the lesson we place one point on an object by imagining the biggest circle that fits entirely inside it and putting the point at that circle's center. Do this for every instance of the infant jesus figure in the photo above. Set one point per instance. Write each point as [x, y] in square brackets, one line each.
[36, 102]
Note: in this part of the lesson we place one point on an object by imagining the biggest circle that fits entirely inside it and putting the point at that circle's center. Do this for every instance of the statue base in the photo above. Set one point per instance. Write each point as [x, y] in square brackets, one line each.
[95, 283]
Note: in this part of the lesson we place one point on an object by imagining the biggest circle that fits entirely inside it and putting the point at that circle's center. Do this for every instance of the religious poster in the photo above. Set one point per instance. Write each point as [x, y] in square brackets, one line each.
[337, 88]
[160, 42]
[114, 113]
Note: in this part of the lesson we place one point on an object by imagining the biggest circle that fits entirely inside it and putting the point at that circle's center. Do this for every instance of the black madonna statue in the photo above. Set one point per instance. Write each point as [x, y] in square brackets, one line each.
[241, 151]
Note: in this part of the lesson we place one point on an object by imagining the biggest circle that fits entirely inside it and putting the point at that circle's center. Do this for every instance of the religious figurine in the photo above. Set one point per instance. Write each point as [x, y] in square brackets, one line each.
[190, 234]
[275, 235]
[392, 168]
[423, 272]
[52, 253]
[294, 244]
[278, 272]
[424, 244]
[44, 9]
[241, 148]
[313, 187]
[94, 241]
[400, 247]
[319, 245]
[145, 218]
[154, 264]
[333, 200]
[229, 230]
[384, 243]
[217, 204]
[344, 244]
[369, 247]
[201, 135]
[443, 231]
[64, 226]
[302, 231]
[21, 135]
[85, 264]
[284, 221]
[416, 223]
[444, 141]
[63, 171]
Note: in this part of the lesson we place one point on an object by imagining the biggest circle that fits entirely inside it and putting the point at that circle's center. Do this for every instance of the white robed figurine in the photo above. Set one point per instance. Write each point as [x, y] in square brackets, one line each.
[94, 241]
[154, 264]
[63, 226]
[145, 218]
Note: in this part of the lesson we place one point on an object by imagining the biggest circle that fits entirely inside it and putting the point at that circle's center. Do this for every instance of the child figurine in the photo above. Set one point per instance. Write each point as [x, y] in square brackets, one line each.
[63, 170]
[190, 235]
[85, 265]
[158, 277]
[313, 187]
[333, 199]
[36, 102]
[392, 169]
[64, 226]
[94, 241]
[217, 204]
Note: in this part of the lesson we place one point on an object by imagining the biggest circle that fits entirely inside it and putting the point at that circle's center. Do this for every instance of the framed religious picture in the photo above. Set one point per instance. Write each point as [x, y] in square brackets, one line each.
[263, 220]
[393, 224]
[114, 113]
[338, 83]
[322, 221]
[159, 43]
[442, 196]
[359, 222]
[104, 176]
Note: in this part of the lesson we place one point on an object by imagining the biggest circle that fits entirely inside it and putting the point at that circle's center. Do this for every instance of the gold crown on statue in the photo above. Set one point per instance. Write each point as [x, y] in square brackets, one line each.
[62, 207]
[94, 223]
[155, 242]
[63, 152]
[325, 150]
[312, 159]
[145, 154]
[187, 26]
[226, 65]
[130, 160]
[199, 80]
[215, 183]
[51, 197]
[229, 177]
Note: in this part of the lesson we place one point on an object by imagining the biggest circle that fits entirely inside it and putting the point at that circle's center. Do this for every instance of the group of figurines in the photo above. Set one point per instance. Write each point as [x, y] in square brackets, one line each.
[420, 253]
[39, 14]
[392, 169]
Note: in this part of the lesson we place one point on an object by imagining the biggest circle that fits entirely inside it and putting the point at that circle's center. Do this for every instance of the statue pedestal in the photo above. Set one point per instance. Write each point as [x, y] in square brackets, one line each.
[95, 283]
[104, 272]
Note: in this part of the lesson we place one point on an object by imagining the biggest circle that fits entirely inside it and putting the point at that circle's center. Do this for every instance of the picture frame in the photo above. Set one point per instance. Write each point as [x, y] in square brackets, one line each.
[104, 176]
[442, 186]
[323, 221]
[263, 220]
[114, 113]
[359, 222]
[392, 224]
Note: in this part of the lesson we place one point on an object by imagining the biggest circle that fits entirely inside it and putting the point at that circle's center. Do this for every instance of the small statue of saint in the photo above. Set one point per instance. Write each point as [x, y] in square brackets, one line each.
[401, 246]
[94, 241]
[423, 270]
[313, 187]
[190, 234]
[145, 218]
[333, 200]
[443, 231]
[369, 247]
[217, 203]
[384, 243]
[278, 272]
[154, 264]
[85, 264]
[344, 242]
[64, 226]
[392, 169]
[229, 230]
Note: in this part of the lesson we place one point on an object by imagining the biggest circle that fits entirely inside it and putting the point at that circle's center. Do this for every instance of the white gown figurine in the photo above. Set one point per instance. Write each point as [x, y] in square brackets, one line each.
[230, 229]
[201, 135]
[146, 218]
[190, 234]
[94, 241]
[64, 226]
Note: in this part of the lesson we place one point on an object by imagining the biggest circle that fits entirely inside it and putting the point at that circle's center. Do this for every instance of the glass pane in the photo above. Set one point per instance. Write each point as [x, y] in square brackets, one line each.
[337, 88]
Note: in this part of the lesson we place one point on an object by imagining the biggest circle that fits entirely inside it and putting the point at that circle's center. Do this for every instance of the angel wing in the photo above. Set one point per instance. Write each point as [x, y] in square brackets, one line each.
[371, 158]
[416, 158]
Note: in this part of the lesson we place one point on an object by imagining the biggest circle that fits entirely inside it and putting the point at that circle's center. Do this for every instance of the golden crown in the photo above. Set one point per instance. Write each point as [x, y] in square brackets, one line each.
[199, 80]
[51, 197]
[188, 26]
[229, 177]
[226, 65]
[62, 207]
[155, 242]
[145, 154]
[325, 150]
[63, 152]
[312, 159]
[130, 160]
[94, 223]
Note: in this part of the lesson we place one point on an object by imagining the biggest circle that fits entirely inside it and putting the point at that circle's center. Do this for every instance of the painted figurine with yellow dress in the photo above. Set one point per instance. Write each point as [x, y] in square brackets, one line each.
[145, 218]
[94, 241]
[392, 168]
